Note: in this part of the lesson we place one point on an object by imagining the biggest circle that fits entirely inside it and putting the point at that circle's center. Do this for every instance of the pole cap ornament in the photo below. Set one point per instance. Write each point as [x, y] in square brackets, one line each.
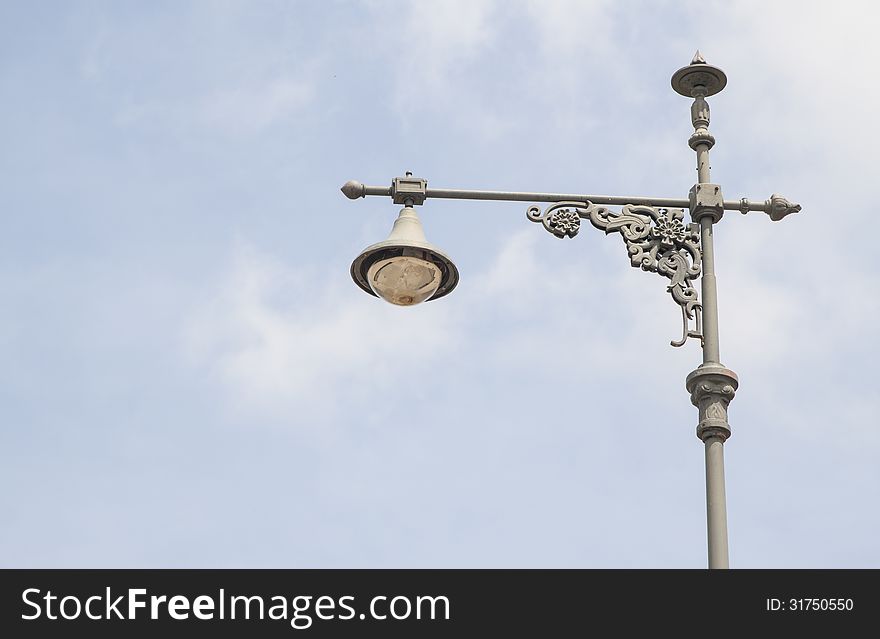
[699, 73]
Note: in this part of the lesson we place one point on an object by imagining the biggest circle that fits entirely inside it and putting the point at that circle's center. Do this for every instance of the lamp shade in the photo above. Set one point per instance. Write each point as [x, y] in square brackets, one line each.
[405, 269]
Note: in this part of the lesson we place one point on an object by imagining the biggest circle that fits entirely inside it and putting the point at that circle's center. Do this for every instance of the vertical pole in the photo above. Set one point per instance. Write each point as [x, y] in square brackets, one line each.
[716, 503]
[709, 293]
[713, 440]
[712, 386]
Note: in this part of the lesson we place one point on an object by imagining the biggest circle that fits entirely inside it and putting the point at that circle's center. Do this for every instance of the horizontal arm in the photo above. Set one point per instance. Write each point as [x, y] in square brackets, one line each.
[777, 207]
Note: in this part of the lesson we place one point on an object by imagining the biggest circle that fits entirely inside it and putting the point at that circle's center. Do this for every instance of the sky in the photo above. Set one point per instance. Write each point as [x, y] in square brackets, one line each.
[189, 377]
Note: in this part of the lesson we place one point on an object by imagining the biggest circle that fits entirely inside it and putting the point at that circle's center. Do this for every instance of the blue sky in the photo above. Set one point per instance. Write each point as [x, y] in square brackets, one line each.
[188, 377]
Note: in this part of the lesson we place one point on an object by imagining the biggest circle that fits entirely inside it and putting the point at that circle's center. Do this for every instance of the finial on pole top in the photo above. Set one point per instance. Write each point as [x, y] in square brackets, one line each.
[699, 74]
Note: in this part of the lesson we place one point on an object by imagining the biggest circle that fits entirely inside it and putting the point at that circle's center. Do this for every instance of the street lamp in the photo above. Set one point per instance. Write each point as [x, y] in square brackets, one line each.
[406, 270]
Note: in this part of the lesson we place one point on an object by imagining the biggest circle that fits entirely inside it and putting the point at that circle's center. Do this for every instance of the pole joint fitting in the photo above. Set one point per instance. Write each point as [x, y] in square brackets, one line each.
[706, 199]
[712, 388]
[409, 188]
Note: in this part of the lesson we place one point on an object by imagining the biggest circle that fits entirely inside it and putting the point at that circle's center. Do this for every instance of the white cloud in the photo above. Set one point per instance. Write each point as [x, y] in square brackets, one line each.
[245, 108]
[441, 51]
[284, 342]
[437, 40]
[255, 108]
[802, 87]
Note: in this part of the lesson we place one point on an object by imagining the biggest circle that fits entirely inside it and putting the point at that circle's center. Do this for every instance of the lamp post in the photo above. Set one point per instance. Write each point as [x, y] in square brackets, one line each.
[405, 269]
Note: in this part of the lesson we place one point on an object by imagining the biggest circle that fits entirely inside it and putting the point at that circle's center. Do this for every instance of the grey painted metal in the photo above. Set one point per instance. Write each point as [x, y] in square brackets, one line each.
[354, 190]
[716, 504]
[711, 386]
[698, 74]
[777, 207]
[408, 190]
[709, 290]
[657, 240]
[514, 196]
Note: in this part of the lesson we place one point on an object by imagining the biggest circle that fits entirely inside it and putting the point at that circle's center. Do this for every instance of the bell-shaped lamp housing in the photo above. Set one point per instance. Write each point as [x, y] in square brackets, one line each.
[405, 269]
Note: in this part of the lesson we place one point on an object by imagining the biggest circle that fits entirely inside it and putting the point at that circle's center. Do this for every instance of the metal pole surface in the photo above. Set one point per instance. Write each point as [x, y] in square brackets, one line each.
[354, 190]
[716, 504]
[713, 439]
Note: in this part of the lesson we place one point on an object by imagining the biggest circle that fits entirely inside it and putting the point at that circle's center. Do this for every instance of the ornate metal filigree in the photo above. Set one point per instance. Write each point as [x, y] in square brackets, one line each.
[656, 239]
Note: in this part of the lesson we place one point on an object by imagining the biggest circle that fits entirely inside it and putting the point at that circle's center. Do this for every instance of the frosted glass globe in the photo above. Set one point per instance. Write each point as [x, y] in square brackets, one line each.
[404, 281]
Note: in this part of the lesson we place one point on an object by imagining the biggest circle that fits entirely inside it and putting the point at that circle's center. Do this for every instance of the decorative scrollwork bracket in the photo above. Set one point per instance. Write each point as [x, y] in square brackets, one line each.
[656, 239]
